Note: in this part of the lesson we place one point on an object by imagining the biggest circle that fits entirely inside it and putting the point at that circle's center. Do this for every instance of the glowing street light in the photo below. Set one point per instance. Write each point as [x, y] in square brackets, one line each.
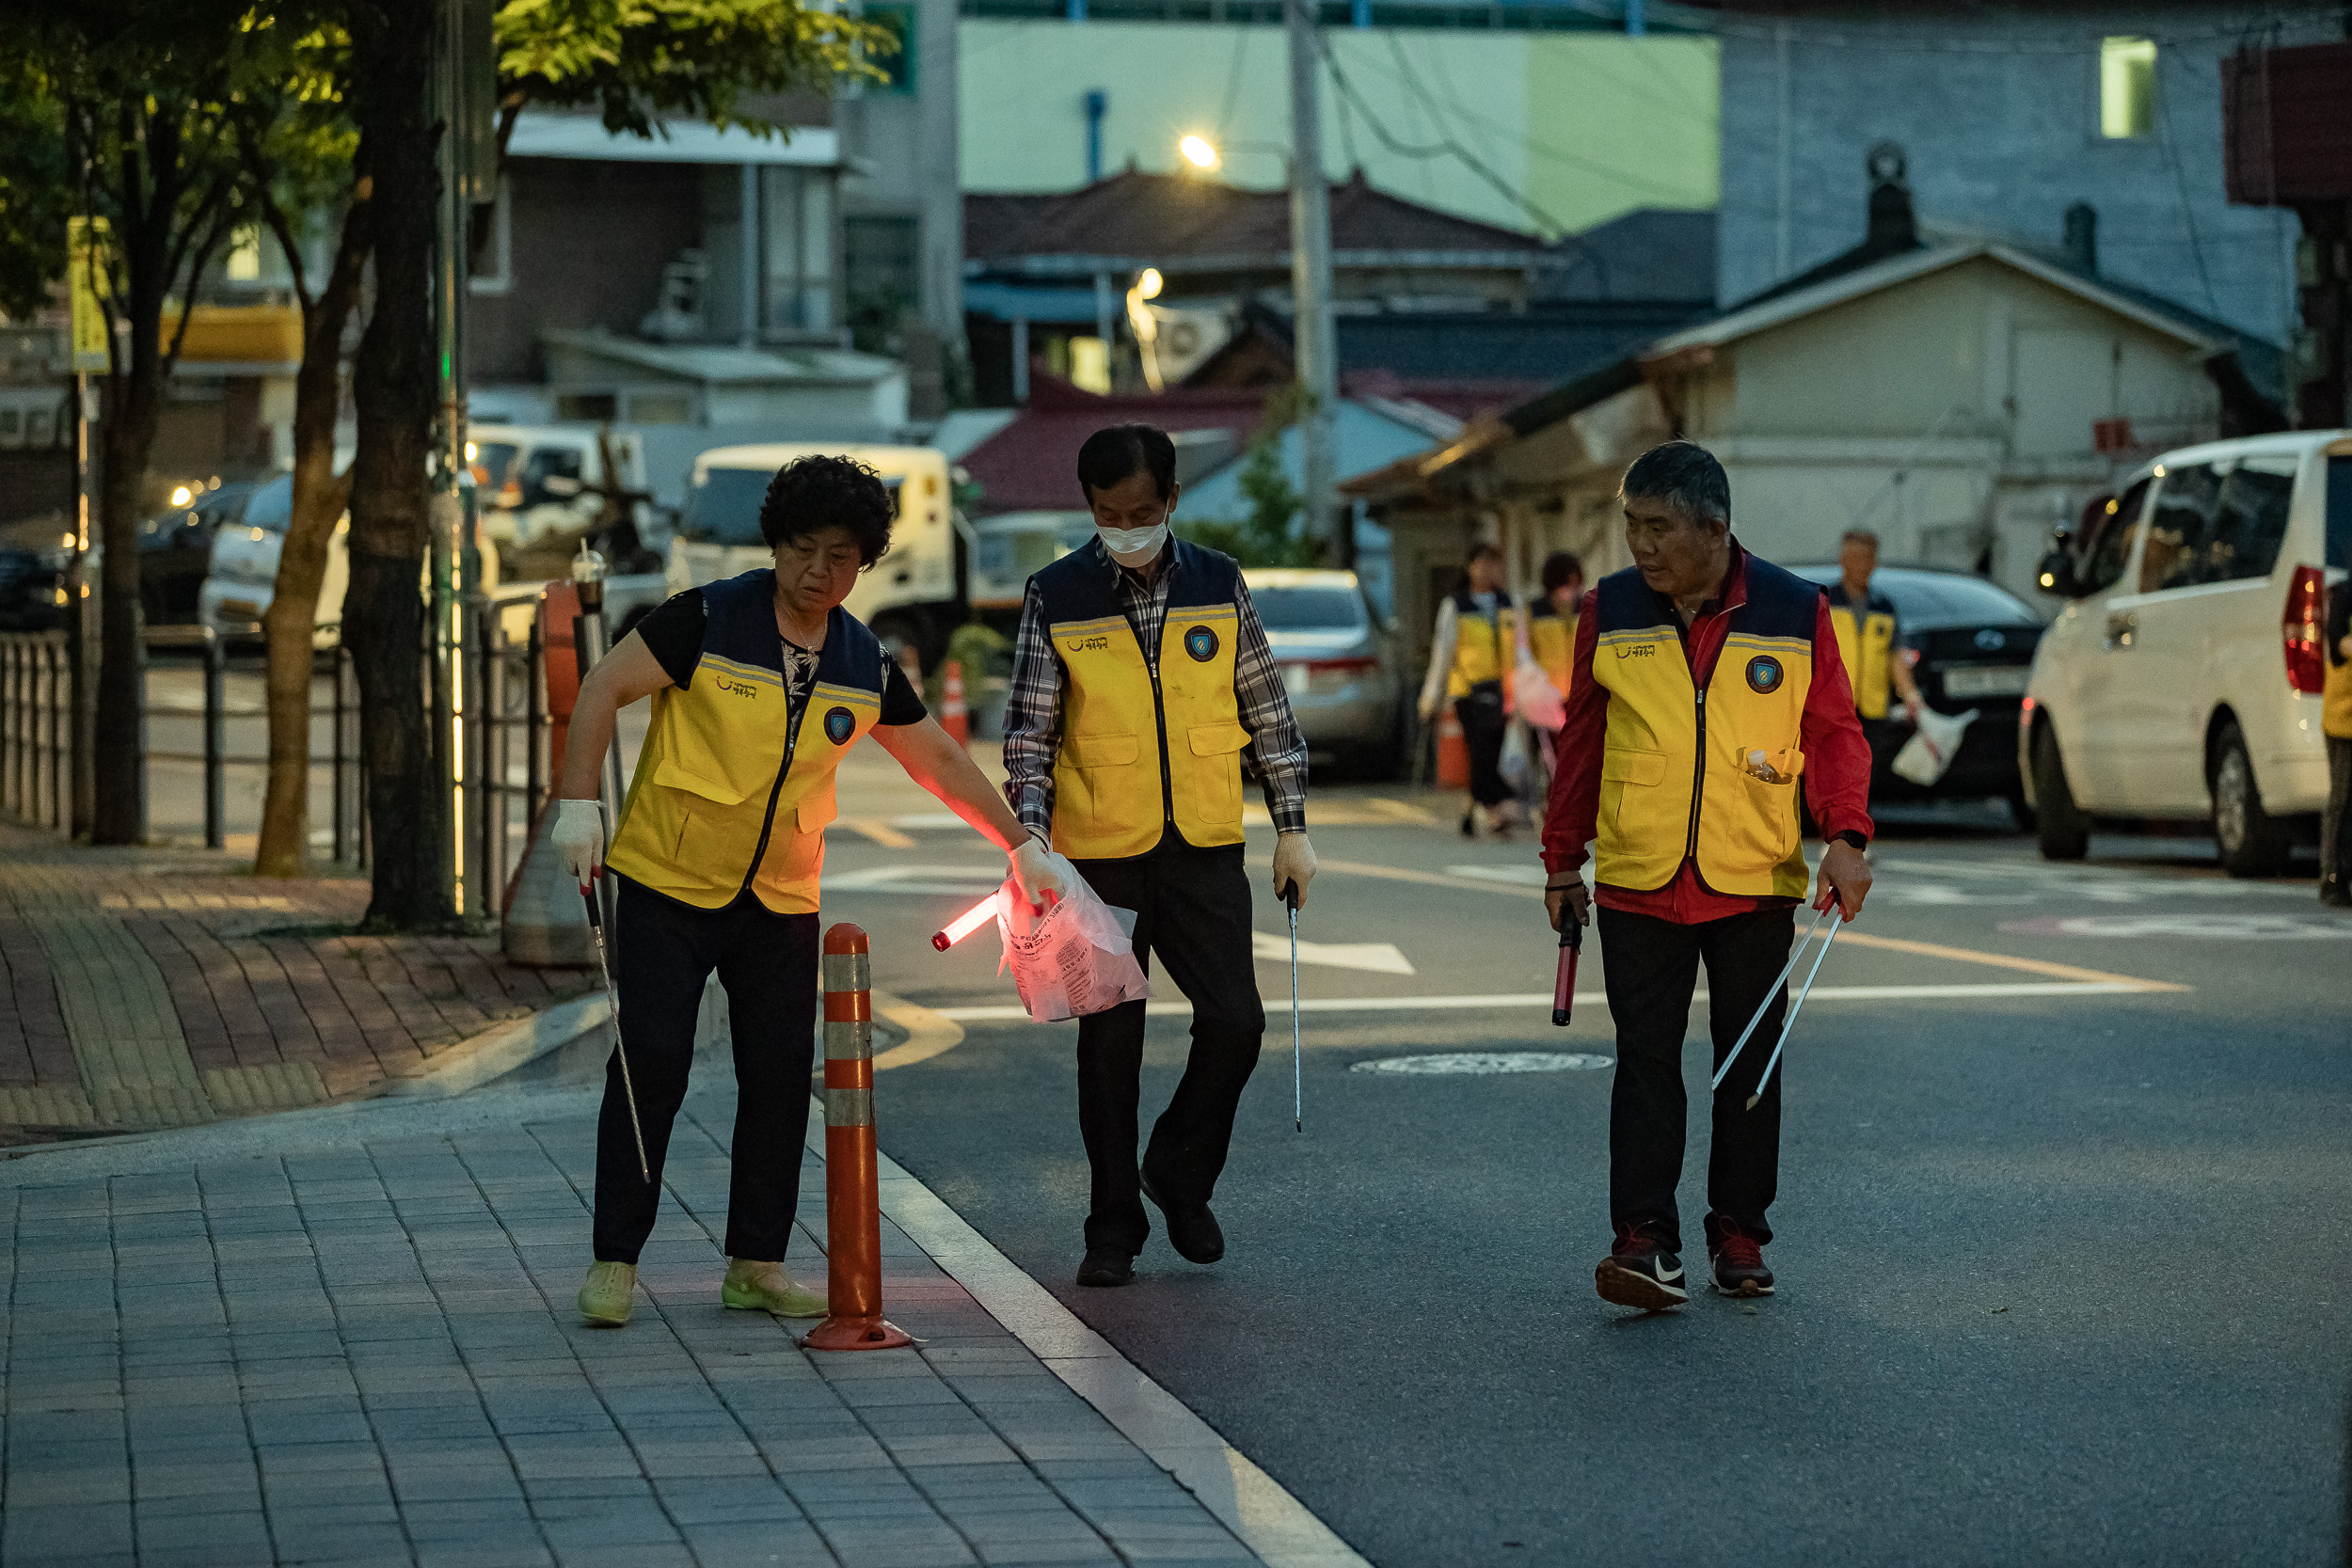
[1149, 285]
[182, 495]
[1198, 151]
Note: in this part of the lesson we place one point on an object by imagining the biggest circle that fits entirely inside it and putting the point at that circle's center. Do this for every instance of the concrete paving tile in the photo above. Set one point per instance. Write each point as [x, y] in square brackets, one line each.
[640, 1525]
[459, 1554]
[68, 1488]
[452, 1483]
[164, 1536]
[548, 1490]
[632, 1555]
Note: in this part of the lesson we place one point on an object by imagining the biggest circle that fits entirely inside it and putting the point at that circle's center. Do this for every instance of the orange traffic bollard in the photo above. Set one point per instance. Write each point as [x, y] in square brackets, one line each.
[1453, 752]
[852, 1186]
[953, 717]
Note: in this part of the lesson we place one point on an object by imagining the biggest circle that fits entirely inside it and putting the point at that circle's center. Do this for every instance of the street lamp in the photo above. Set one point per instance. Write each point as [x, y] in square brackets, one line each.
[1314, 334]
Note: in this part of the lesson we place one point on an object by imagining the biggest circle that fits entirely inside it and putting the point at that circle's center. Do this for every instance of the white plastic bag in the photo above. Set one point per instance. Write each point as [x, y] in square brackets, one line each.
[1076, 958]
[1513, 764]
[1930, 750]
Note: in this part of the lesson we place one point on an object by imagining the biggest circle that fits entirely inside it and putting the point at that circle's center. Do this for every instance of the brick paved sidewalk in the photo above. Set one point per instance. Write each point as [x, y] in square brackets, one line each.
[370, 1356]
[155, 988]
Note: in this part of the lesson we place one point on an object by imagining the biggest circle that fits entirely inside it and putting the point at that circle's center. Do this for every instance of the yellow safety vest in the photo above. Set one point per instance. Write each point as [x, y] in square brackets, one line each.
[1484, 650]
[1140, 753]
[1674, 780]
[1551, 638]
[1869, 652]
[733, 789]
[2335, 702]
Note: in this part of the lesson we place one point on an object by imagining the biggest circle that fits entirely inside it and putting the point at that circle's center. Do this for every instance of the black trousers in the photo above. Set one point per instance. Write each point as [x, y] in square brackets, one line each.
[1192, 909]
[767, 963]
[2335, 832]
[1652, 968]
[1483, 725]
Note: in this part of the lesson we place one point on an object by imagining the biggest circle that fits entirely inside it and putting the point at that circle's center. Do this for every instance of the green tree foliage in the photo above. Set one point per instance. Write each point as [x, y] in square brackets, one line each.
[35, 193]
[638, 61]
[1266, 537]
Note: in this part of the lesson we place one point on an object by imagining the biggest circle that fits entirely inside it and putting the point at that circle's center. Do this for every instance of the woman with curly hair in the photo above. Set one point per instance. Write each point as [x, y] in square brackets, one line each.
[760, 684]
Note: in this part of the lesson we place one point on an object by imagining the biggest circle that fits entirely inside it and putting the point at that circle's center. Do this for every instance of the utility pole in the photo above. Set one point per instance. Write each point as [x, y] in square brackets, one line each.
[1315, 337]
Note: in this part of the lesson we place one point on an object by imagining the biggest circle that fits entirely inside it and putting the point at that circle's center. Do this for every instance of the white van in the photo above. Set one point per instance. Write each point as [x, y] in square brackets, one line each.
[914, 596]
[534, 480]
[241, 578]
[2182, 681]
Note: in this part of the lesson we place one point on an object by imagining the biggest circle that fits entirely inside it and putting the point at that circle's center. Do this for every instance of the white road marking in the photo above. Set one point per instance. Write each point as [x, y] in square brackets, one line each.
[2218, 927]
[1517, 876]
[1484, 1062]
[1542, 1000]
[1378, 957]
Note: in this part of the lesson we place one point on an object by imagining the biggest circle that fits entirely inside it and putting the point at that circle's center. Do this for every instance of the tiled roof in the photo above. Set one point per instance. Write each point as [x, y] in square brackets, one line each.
[1031, 465]
[1163, 218]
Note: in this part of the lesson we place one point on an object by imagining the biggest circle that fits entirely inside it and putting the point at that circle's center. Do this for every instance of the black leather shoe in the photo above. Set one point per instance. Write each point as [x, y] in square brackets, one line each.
[1193, 1232]
[1107, 1265]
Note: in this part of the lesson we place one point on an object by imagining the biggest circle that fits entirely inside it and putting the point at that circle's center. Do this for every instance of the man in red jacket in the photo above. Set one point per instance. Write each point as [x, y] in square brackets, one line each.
[1707, 684]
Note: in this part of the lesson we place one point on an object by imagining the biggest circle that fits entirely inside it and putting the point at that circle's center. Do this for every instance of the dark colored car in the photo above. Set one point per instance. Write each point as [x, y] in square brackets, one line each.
[32, 585]
[1970, 645]
[176, 551]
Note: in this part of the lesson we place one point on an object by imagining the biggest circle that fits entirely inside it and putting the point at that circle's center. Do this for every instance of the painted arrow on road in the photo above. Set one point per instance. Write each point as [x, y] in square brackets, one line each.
[1379, 957]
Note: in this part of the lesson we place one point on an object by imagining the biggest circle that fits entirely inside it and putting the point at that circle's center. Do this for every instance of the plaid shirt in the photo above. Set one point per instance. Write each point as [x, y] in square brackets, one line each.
[1033, 716]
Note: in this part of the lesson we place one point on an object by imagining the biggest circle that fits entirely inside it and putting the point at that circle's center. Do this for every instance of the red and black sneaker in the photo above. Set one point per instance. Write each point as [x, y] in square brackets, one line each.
[1738, 1264]
[1640, 1272]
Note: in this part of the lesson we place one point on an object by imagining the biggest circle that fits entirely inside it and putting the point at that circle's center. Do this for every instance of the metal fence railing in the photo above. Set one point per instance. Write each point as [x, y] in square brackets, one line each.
[503, 735]
[37, 727]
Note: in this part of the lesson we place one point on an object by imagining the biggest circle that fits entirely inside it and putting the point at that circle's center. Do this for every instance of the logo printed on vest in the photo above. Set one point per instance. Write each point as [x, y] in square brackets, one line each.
[736, 689]
[841, 724]
[1086, 645]
[1764, 674]
[1201, 643]
[1638, 650]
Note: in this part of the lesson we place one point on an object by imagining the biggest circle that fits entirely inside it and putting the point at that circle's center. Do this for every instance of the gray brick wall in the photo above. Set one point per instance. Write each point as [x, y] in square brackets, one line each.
[1997, 112]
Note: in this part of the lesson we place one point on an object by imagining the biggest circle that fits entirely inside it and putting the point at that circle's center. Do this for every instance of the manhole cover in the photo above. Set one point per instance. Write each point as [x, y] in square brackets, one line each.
[1488, 1061]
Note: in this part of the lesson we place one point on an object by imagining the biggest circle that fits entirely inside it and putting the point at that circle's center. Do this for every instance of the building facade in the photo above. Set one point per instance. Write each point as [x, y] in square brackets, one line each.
[2009, 115]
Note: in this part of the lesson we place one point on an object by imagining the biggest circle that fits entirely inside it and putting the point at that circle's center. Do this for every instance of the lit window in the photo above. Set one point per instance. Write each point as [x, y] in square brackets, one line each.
[2127, 88]
[244, 264]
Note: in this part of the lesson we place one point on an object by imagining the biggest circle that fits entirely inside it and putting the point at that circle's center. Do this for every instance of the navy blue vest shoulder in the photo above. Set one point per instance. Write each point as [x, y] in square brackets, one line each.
[1779, 604]
[1083, 585]
[739, 624]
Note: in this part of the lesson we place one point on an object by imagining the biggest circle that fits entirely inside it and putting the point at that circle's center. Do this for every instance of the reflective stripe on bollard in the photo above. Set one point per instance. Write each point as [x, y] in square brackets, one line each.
[852, 1186]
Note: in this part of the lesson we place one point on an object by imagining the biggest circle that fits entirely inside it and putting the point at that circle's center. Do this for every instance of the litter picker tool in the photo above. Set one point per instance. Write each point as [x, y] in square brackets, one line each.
[1795, 955]
[1571, 949]
[1299, 1080]
[629, 1090]
[1794, 1008]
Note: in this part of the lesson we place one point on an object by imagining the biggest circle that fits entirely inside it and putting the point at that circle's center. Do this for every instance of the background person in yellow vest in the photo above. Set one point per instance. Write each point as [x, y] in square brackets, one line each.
[1870, 637]
[1551, 619]
[1142, 684]
[760, 684]
[1688, 665]
[1471, 652]
[2335, 722]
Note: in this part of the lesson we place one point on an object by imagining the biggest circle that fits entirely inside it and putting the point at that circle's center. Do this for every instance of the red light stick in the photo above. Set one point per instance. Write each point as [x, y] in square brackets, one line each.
[968, 921]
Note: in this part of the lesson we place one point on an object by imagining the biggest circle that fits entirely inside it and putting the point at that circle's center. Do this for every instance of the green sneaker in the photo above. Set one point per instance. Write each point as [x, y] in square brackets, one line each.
[766, 1288]
[607, 1296]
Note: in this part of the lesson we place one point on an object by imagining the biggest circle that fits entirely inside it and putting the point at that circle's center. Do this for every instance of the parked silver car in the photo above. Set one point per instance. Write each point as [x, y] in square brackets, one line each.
[1338, 663]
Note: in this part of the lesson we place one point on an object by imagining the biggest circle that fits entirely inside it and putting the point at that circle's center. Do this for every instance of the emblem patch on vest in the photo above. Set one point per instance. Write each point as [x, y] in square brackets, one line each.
[1764, 674]
[1201, 643]
[841, 724]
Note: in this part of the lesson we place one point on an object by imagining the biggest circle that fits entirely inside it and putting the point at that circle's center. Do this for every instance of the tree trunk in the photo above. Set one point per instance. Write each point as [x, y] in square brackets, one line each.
[117, 755]
[319, 497]
[393, 386]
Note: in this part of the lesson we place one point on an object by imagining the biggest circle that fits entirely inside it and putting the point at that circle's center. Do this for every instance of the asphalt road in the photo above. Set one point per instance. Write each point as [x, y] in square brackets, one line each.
[2063, 1273]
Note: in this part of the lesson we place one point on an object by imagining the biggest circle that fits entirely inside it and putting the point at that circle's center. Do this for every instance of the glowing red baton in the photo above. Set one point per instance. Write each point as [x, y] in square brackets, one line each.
[968, 921]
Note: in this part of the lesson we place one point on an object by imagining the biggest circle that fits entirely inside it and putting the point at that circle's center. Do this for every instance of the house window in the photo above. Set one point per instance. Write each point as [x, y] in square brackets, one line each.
[884, 275]
[797, 207]
[494, 262]
[244, 263]
[2127, 88]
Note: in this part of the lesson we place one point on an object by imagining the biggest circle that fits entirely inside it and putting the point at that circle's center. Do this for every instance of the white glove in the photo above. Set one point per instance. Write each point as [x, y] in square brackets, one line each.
[1033, 869]
[1295, 863]
[578, 837]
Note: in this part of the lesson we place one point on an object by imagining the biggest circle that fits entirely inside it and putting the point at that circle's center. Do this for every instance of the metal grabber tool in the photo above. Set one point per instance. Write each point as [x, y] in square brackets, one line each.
[629, 1090]
[1299, 1080]
[1836, 916]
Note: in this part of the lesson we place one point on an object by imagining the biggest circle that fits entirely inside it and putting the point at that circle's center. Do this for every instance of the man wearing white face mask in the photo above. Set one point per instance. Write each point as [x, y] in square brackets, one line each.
[1142, 683]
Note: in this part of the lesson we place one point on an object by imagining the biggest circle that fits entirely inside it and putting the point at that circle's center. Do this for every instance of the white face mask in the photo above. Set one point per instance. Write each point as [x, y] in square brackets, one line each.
[1135, 546]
